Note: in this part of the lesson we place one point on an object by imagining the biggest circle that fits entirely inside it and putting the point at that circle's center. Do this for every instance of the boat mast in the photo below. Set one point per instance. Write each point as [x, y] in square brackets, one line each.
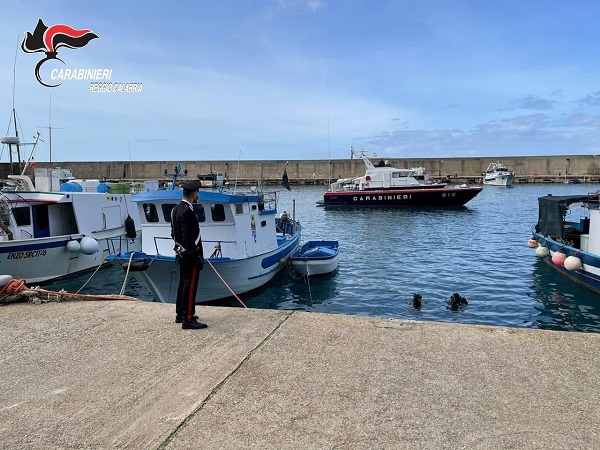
[13, 140]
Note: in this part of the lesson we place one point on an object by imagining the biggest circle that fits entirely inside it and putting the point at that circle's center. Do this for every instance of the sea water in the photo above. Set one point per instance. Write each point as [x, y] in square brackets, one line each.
[387, 255]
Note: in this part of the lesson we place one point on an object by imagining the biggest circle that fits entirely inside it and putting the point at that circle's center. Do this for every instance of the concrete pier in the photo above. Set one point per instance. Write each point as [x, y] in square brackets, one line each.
[101, 375]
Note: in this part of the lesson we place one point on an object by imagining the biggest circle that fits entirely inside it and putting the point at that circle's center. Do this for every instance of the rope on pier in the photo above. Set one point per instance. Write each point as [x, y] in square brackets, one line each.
[15, 291]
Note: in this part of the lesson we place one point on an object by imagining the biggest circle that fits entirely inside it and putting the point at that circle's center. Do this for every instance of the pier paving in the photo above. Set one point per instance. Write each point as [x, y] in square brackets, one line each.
[124, 375]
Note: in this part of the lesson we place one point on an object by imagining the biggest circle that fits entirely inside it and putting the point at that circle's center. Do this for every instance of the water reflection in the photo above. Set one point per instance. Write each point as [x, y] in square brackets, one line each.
[562, 304]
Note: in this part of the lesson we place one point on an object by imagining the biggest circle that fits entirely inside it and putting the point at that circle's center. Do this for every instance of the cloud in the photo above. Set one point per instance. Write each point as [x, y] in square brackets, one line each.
[592, 99]
[531, 102]
[313, 5]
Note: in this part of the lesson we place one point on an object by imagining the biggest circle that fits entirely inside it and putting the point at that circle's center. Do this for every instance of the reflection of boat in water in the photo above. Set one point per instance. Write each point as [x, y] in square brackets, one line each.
[246, 242]
[567, 237]
[498, 175]
[562, 305]
[316, 258]
[386, 186]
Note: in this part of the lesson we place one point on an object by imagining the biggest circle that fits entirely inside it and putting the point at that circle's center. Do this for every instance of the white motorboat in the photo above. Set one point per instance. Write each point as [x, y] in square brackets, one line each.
[316, 258]
[498, 175]
[244, 242]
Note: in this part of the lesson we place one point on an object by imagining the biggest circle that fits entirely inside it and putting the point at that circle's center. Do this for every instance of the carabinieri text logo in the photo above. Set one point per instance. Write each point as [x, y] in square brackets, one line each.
[49, 40]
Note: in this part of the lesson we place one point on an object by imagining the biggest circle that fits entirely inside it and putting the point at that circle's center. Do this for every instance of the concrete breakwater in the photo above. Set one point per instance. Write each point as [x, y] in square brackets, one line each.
[528, 169]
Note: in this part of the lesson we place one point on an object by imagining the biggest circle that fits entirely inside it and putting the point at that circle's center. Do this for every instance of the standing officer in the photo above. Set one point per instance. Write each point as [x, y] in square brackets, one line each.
[186, 234]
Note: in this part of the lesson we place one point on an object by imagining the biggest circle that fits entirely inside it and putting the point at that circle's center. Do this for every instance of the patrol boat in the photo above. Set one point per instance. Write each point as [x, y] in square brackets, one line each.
[244, 243]
[385, 186]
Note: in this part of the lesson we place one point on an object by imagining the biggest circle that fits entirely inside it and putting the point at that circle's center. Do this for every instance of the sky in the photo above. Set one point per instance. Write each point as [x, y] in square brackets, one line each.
[308, 79]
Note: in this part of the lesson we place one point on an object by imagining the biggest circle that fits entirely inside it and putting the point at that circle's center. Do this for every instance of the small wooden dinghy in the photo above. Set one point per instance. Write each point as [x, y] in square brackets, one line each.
[316, 257]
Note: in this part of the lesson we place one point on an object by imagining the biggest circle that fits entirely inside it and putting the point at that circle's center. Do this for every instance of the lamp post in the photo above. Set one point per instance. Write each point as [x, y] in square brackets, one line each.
[568, 172]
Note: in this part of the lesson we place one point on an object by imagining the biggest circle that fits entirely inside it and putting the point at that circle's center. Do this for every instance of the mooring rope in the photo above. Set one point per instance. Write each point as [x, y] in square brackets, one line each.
[225, 283]
[97, 268]
[126, 274]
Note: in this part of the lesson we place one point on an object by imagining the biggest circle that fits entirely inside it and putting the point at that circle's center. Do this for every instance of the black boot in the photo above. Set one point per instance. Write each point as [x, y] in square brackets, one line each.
[193, 325]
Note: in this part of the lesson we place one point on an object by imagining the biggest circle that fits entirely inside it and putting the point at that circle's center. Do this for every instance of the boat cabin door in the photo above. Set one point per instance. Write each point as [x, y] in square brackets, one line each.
[41, 225]
[387, 180]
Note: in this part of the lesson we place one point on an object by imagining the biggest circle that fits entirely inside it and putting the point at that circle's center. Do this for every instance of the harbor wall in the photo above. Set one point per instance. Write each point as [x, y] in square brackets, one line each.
[527, 168]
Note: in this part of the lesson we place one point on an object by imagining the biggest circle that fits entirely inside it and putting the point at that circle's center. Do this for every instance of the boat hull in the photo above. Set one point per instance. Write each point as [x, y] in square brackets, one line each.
[500, 180]
[589, 274]
[316, 258]
[44, 259]
[422, 197]
[241, 275]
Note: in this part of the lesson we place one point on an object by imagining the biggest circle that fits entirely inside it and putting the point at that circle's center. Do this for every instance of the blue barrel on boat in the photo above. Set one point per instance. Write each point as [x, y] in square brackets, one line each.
[103, 187]
[71, 186]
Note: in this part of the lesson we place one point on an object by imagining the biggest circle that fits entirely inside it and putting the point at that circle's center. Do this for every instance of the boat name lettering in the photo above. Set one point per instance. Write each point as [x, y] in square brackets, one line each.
[29, 254]
[375, 198]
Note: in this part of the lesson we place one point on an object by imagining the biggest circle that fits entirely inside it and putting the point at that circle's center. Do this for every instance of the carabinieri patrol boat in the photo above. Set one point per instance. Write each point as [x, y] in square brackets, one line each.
[387, 186]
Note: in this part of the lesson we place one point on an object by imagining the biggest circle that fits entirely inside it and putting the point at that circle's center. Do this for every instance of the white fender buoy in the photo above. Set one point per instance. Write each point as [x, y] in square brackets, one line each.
[532, 243]
[5, 279]
[89, 245]
[542, 251]
[73, 246]
[573, 263]
[558, 258]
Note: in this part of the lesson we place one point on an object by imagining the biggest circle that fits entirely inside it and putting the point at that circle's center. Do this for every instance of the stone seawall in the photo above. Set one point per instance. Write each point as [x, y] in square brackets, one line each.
[527, 168]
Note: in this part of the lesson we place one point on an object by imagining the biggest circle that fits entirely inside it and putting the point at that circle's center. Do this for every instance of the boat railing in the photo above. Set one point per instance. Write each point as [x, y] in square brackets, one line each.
[217, 253]
[119, 245]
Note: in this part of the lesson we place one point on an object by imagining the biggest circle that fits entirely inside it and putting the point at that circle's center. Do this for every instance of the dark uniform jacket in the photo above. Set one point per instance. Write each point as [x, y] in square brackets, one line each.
[186, 231]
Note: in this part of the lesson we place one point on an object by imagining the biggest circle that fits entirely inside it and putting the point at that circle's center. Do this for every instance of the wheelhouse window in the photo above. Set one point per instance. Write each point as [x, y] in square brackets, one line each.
[217, 212]
[199, 211]
[22, 216]
[150, 212]
[166, 210]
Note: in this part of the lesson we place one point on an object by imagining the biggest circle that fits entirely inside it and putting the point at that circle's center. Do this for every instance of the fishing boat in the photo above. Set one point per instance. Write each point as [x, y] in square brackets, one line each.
[316, 258]
[50, 230]
[498, 175]
[386, 186]
[50, 235]
[246, 240]
[567, 237]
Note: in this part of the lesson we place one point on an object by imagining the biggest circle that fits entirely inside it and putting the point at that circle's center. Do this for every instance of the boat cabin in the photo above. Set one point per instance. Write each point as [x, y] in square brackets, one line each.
[226, 220]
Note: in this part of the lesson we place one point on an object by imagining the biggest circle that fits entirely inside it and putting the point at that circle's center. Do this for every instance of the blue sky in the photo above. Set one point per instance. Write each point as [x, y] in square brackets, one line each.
[308, 79]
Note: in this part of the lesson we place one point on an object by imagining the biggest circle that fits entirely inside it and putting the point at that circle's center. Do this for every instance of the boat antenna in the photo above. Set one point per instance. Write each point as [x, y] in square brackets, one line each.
[49, 127]
[329, 151]
[130, 165]
[237, 172]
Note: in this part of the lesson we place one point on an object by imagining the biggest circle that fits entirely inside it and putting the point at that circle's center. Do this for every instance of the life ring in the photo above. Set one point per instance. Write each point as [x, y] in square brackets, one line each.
[368, 178]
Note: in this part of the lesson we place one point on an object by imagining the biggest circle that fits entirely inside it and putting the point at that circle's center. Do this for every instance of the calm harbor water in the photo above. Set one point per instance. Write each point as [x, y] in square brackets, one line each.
[479, 251]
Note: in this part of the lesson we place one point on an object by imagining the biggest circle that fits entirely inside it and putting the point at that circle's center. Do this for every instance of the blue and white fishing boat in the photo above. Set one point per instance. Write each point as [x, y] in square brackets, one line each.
[244, 242]
[567, 237]
[316, 258]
